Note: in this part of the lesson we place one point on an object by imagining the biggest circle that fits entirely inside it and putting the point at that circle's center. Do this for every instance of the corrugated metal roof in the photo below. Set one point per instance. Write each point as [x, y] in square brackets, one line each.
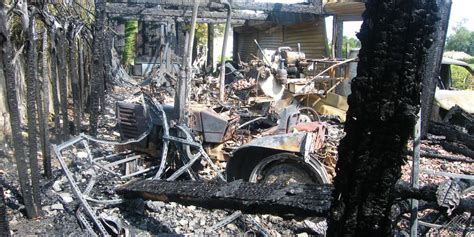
[310, 35]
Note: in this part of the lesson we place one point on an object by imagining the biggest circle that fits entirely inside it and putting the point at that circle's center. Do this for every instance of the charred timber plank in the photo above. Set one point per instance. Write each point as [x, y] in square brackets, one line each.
[457, 148]
[300, 200]
[457, 116]
[452, 134]
[404, 191]
[253, 198]
[315, 8]
[434, 155]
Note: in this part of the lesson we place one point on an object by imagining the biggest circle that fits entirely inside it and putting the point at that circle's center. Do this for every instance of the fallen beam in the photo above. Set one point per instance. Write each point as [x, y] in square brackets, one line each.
[452, 134]
[253, 198]
[294, 200]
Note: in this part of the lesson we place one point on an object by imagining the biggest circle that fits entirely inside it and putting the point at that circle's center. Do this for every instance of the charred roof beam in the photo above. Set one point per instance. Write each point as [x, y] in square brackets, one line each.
[119, 10]
[316, 7]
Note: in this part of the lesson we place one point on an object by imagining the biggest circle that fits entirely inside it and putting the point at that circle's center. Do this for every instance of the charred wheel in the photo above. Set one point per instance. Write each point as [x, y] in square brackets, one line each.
[288, 168]
[307, 115]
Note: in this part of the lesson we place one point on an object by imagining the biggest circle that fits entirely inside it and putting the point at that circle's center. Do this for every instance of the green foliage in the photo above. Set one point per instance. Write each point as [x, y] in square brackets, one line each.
[131, 29]
[461, 40]
[462, 79]
[201, 32]
[470, 61]
[346, 42]
[349, 42]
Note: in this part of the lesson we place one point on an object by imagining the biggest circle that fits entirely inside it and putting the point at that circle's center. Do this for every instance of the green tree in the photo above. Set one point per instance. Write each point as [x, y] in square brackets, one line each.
[350, 43]
[461, 40]
[131, 29]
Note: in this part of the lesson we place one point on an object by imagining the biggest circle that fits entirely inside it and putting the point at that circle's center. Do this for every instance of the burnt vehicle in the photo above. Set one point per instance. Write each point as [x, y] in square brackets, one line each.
[285, 153]
[447, 97]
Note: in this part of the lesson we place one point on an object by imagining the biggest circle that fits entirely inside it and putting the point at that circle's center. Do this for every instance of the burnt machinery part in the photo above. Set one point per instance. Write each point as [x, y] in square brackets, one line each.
[288, 168]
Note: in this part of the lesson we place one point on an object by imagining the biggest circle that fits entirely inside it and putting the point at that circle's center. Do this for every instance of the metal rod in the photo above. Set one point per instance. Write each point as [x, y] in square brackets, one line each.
[447, 174]
[128, 159]
[224, 47]
[263, 53]
[139, 172]
[415, 172]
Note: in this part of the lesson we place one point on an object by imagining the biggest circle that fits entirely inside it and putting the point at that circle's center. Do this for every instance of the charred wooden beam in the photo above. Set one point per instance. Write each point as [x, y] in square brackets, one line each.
[44, 127]
[299, 200]
[9, 69]
[31, 107]
[382, 113]
[314, 8]
[54, 83]
[123, 10]
[98, 67]
[210, 46]
[452, 133]
[62, 82]
[258, 198]
[432, 69]
[74, 74]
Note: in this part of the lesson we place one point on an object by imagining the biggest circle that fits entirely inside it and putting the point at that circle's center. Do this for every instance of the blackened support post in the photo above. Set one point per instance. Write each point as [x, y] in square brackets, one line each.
[210, 46]
[224, 48]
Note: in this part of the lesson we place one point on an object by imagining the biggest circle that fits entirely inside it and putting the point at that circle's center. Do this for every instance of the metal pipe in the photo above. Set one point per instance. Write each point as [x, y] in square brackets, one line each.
[415, 172]
[228, 5]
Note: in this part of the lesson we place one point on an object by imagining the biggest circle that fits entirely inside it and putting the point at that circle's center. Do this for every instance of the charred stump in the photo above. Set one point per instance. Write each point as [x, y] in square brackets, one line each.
[382, 113]
[13, 105]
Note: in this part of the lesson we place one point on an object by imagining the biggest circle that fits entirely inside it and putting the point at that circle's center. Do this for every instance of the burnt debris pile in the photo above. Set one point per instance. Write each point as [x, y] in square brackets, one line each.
[119, 122]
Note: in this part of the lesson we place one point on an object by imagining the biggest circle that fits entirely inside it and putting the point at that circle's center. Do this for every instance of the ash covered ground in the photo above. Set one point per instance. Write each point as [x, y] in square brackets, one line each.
[144, 218]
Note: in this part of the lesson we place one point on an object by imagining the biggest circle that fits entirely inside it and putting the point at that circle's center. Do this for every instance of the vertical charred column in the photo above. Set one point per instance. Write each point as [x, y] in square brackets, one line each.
[32, 77]
[210, 46]
[82, 79]
[45, 103]
[62, 77]
[382, 112]
[15, 121]
[74, 79]
[54, 85]
[98, 74]
[432, 69]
